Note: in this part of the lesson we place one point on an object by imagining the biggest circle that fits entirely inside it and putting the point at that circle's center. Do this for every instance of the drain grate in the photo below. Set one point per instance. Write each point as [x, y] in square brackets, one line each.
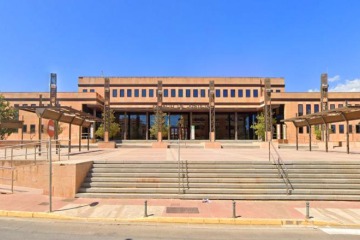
[182, 210]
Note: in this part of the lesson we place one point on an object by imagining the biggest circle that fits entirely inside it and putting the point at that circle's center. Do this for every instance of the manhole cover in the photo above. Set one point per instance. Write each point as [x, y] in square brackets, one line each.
[44, 203]
[182, 210]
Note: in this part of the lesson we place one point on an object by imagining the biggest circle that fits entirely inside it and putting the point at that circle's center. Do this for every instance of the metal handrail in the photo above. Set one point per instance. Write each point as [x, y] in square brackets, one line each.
[281, 167]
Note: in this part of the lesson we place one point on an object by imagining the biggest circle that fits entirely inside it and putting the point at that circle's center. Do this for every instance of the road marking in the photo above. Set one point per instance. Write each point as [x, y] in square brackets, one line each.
[340, 231]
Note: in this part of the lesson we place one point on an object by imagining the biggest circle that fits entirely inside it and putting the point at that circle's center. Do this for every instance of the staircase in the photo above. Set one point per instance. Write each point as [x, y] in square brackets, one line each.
[256, 180]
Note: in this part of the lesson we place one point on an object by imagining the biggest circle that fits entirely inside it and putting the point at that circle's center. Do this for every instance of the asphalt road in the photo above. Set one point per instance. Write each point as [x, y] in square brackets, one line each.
[33, 229]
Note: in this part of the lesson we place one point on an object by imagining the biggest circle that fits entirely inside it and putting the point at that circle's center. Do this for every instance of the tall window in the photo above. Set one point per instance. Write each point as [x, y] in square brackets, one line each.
[332, 106]
[173, 92]
[333, 128]
[316, 108]
[240, 93]
[166, 93]
[180, 93]
[151, 92]
[341, 128]
[308, 108]
[136, 93]
[195, 93]
[24, 128]
[300, 110]
[32, 128]
[225, 93]
[357, 128]
[202, 92]
[255, 93]
[232, 93]
[301, 130]
[247, 93]
[217, 92]
[340, 105]
[114, 93]
[128, 93]
[143, 92]
[122, 93]
[187, 92]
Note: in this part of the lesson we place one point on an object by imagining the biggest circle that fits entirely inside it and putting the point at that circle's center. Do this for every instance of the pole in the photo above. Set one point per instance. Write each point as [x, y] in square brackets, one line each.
[50, 177]
[234, 208]
[12, 172]
[179, 165]
[145, 209]
[307, 210]
[88, 139]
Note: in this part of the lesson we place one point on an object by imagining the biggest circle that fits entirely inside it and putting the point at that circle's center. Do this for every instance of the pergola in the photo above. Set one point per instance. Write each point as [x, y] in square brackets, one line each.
[65, 115]
[15, 124]
[343, 114]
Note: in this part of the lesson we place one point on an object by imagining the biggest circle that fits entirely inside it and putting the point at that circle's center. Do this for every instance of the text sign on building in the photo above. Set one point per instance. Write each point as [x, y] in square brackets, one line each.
[183, 106]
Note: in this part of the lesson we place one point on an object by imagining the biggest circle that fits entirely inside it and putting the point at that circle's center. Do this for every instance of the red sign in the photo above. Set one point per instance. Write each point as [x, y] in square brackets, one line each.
[51, 128]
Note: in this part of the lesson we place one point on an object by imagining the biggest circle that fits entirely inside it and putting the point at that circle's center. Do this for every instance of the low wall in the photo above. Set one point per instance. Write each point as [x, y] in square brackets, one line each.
[66, 181]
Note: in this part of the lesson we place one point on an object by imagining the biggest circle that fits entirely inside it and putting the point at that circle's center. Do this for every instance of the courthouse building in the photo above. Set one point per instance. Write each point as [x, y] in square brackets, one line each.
[185, 100]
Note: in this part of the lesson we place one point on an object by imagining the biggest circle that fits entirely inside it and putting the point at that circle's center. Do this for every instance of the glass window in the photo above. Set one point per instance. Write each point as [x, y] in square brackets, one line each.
[187, 92]
[247, 93]
[307, 129]
[217, 93]
[16, 105]
[32, 128]
[84, 90]
[143, 92]
[202, 92]
[341, 128]
[225, 93]
[122, 93]
[255, 93]
[114, 93]
[357, 128]
[92, 90]
[350, 129]
[173, 92]
[24, 128]
[232, 92]
[277, 90]
[332, 106]
[136, 92]
[316, 108]
[128, 93]
[25, 105]
[240, 93]
[151, 92]
[333, 128]
[195, 93]
[166, 93]
[301, 130]
[180, 93]
[300, 110]
[33, 105]
[340, 105]
[308, 108]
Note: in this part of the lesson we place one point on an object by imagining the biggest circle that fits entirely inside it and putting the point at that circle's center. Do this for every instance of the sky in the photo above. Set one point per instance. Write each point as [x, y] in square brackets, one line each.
[297, 40]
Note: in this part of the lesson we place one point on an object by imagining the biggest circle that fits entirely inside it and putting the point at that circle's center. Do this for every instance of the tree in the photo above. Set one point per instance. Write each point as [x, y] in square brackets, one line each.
[154, 127]
[114, 127]
[7, 112]
[259, 125]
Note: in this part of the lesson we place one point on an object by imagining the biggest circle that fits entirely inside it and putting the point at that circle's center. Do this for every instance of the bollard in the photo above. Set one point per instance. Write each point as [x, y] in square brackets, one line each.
[234, 208]
[307, 210]
[145, 210]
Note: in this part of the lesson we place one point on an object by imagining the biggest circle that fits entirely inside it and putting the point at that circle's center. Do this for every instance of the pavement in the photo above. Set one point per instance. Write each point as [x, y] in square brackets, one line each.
[27, 202]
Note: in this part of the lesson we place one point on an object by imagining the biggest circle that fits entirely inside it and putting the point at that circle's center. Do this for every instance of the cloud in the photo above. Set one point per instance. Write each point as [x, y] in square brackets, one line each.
[348, 86]
[314, 90]
[334, 78]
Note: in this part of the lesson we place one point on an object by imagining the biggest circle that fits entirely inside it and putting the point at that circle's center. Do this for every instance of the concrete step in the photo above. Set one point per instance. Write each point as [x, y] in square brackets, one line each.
[185, 165]
[240, 146]
[160, 162]
[189, 175]
[187, 171]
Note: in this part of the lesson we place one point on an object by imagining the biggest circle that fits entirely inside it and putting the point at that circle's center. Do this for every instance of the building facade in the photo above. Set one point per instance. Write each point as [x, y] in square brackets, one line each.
[185, 100]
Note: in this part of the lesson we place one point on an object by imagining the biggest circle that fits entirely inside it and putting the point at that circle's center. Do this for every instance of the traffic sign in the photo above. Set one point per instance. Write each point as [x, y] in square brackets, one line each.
[51, 128]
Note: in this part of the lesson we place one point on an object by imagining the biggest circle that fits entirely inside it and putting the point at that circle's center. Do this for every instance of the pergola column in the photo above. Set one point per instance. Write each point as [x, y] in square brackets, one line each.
[212, 111]
[309, 126]
[236, 126]
[147, 126]
[326, 134]
[347, 133]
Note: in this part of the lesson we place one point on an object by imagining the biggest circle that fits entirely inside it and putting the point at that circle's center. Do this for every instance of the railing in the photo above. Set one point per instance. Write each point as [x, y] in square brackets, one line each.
[281, 167]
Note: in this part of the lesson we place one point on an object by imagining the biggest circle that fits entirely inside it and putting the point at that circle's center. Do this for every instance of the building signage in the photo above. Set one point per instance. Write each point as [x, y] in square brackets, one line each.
[184, 106]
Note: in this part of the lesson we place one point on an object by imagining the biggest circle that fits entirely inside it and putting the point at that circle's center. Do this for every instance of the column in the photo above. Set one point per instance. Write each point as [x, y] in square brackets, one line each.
[278, 131]
[236, 126]
[147, 125]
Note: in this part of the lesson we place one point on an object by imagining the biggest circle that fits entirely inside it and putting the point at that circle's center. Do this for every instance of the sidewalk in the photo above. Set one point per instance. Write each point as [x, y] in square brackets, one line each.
[26, 202]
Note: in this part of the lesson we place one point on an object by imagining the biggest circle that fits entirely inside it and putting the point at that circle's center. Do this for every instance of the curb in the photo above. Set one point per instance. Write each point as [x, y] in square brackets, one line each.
[181, 220]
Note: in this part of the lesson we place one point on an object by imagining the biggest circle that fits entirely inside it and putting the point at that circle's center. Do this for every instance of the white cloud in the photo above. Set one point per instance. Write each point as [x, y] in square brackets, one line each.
[334, 78]
[314, 90]
[348, 86]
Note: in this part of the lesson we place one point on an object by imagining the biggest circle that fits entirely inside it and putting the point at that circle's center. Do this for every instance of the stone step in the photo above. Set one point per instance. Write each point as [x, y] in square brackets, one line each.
[174, 170]
[222, 197]
[190, 175]
[185, 165]
[160, 162]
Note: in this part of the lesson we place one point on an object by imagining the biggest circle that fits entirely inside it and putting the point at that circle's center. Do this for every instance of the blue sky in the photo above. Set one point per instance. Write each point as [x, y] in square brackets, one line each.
[297, 40]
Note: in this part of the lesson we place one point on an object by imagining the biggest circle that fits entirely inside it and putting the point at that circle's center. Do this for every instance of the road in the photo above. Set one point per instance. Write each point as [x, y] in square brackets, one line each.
[34, 229]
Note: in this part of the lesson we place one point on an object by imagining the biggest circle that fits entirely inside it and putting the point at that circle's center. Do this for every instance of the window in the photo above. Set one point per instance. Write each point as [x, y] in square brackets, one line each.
[24, 128]
[16, 105]
[195, 93]
[341, 128]
[357, 128]
[340, 105]
[332, 106]
[84, 90]
[277, 90]
[128, 93]
[308, 109]
[136, 93]
[114, 93]
[92, 90]
[240, 93]
[151, 92]
[33, 105]
[166, 93]
[32, 128]
[300, 110]
[42, 128]
[247, 92]
[307, 129]
[143, 92]
[180, 93]
[255, 93]
[350, 129]
[333, 128]
[232, 93]
[202, 92]
[316, 108]
[225, 93]
[173, 93]
[24, 105]
[217, 93]
[122, 93]
[187, 92]
[301, 130]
